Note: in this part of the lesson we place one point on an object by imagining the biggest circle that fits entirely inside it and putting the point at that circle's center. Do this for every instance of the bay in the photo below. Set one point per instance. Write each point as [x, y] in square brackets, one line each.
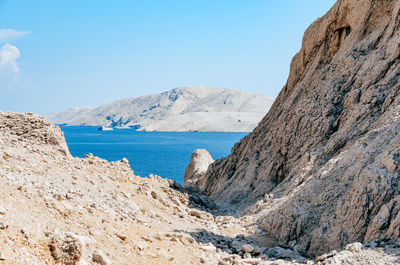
[161, 153]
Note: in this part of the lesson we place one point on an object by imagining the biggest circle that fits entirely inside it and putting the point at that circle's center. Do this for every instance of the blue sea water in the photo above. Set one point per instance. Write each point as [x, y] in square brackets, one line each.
[161, 153]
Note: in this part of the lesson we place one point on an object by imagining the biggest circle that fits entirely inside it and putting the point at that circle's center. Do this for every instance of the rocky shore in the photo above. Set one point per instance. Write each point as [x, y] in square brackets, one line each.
[317, 182]
[57, 209]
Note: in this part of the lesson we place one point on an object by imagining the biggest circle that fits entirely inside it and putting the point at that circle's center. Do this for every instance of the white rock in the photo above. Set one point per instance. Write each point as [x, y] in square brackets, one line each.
[199, 162]
[99, 257]
[247, 248]
[2, 210]
[82, 262]
[195, 213]
[209, 247]
[355, 247]
[3, 225]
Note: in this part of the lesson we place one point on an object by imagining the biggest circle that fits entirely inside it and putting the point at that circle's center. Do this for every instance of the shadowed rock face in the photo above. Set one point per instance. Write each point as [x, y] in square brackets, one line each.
[328, 150]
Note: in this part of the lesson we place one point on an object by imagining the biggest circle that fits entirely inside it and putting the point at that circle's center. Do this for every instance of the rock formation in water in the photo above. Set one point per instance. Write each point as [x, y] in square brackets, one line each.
[181, 109]
[324, 162]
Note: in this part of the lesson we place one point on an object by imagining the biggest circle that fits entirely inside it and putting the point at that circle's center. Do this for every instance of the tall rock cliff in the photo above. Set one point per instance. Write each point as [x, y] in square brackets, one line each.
[325, 160]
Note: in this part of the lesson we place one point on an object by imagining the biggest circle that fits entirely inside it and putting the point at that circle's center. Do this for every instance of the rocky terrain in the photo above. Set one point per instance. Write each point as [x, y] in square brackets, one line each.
[181, 109]
[316, 182]
[59, 209]
[321, 170]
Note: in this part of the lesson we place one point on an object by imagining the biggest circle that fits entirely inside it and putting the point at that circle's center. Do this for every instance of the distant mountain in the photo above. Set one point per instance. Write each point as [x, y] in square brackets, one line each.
[180, 109]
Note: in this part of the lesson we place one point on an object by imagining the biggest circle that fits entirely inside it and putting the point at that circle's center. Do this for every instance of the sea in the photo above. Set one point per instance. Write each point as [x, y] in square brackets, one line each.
[160, 153]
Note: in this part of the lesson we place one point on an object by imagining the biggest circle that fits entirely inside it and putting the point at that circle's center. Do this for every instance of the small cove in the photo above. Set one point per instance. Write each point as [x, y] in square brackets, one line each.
[161, 153]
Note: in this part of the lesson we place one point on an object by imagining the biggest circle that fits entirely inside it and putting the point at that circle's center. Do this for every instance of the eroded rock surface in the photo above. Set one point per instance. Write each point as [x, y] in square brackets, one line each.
[324, 162]
[198, 165]
[57, 209]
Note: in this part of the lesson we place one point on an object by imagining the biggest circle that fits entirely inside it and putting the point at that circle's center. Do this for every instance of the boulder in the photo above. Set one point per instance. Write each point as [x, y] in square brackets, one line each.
[100, 258]
[194, 172]
[247, 248]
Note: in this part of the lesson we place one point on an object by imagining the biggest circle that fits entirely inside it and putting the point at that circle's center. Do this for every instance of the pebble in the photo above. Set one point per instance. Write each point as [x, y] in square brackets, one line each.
[195, 213]
[25, 233]
[153, 194]
[253, 261]
[147, 238]
[151, 254]
[121, 236]
[2, 210]
[321, 258]
[3, 226]
[99, 257]
[208, 248]
[2, 257]
[247, 248]
[355, 247]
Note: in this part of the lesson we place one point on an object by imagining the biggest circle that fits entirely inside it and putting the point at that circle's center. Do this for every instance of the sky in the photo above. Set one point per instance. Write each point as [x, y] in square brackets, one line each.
[59, 54]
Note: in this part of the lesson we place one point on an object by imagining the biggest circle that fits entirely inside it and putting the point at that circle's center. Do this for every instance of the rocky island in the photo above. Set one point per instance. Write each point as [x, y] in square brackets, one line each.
[182, 109]
[316, 182]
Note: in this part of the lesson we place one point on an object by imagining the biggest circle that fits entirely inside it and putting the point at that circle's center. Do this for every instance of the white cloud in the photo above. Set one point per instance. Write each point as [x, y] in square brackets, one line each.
[8, 34]
[8, 59]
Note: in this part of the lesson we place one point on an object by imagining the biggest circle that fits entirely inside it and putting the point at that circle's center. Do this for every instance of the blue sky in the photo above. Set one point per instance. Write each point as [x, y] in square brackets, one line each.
[60, 54]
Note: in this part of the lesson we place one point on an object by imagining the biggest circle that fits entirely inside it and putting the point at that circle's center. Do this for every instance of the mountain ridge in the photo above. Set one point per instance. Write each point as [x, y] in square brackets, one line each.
[199, 108]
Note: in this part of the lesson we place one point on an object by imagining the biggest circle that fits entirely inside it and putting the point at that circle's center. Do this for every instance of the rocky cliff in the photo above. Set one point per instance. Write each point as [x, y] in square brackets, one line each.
[180, 109]
[59, 209]
[324, 162]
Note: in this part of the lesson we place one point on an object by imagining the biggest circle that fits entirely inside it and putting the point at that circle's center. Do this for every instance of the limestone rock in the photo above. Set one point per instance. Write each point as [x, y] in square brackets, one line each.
[247, 248]
[66, 249]
[354, 247]
[3, 225]
[100, 258]
[33, 129]
[328, 148]
[198, 108]
[194, 172]
[2, 210]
